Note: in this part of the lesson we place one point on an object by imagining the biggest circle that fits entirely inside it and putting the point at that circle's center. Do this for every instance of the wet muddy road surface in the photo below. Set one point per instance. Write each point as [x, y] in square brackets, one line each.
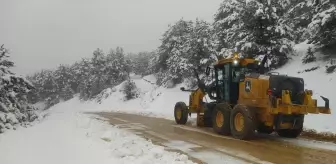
[202, 145]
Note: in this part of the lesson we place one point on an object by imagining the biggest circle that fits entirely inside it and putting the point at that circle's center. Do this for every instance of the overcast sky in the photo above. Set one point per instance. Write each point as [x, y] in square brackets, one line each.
[45, 33]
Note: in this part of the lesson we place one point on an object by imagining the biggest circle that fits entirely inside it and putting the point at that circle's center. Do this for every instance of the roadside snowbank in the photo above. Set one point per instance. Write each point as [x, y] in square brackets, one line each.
[68, 136]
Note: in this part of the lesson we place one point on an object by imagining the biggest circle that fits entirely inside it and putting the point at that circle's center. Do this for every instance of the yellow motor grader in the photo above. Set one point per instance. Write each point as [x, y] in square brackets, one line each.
[246, 100]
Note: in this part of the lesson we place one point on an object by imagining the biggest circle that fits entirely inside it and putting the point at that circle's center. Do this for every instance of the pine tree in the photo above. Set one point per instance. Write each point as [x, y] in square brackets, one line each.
[185, 45]
[95, 75]
[331, 66]
[173, 42]
[84, 75]
[140, 62]
[64, 80]
[130, 90]
[50, 88]
[254, 28]
[117, 68]
[309, 57]
[202, 49]
[14, 107]
[178, 67]
[98, 73]
[298, 17]
[229, 24]
[66, 93]
[322, 29]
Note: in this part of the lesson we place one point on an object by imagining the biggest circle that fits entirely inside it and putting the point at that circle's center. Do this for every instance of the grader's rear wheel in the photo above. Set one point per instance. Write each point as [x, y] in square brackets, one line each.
[181, 113]
[293, 133]
[221, 119]
[289, 133]
[241, 122]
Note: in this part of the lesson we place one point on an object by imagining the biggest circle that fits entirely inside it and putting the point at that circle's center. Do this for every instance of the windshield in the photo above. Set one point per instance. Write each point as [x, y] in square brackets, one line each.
[237, 71]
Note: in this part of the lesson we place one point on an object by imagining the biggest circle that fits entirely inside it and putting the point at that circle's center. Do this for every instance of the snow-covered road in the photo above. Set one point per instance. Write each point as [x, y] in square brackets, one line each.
[206, 146]
[66, 136]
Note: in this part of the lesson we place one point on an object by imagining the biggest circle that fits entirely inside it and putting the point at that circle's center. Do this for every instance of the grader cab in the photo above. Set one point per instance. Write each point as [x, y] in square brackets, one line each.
[246, 100]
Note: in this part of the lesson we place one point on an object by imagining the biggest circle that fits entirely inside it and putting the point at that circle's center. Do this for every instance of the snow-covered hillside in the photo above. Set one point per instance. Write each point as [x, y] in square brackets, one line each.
[153, 100]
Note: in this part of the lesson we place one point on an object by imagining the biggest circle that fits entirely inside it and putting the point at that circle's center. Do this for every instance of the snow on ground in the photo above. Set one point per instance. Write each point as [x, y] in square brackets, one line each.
[159, 102]
[68, 136]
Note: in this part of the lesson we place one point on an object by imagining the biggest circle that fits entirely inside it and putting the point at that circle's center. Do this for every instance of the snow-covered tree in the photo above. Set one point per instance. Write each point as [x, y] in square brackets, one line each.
[66, 92]
[178, 67]
[46, 86]
[87, 77]
[229, 23]
[202, 45]
[322, 29]
[255, 27]
[298, 17]
[14, 107]
[83, 72]
[104, 71]
[185, 46]
[64, 80]
[173, 52]
[331, 66]
[117, 67]
[98, 72]
[173, 42]
[130, 90]
[141, 62]
[309, 57]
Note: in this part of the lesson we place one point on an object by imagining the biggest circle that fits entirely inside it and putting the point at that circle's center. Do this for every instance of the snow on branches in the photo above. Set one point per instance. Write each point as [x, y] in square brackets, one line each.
[14, 107]
[255, 27]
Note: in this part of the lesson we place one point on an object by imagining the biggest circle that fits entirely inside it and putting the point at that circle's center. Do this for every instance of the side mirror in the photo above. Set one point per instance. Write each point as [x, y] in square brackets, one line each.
[207, 71]
[182, 89]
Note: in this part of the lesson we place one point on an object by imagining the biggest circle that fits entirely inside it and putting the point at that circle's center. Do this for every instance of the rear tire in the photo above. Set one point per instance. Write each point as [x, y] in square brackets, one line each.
[221, 119]
[293, 133]
[242, 122]
[181, 113]
[289, 133]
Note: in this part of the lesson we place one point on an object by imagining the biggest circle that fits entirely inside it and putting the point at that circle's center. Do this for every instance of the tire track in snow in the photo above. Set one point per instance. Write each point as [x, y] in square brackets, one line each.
[192, 149]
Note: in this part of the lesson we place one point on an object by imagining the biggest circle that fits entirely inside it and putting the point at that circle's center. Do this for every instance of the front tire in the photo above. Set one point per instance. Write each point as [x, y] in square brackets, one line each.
[242, 122]
[181, 113]
[221, 119]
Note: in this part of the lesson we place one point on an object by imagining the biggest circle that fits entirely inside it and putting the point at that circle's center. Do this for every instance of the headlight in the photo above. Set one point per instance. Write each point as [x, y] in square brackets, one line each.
[235, 62]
